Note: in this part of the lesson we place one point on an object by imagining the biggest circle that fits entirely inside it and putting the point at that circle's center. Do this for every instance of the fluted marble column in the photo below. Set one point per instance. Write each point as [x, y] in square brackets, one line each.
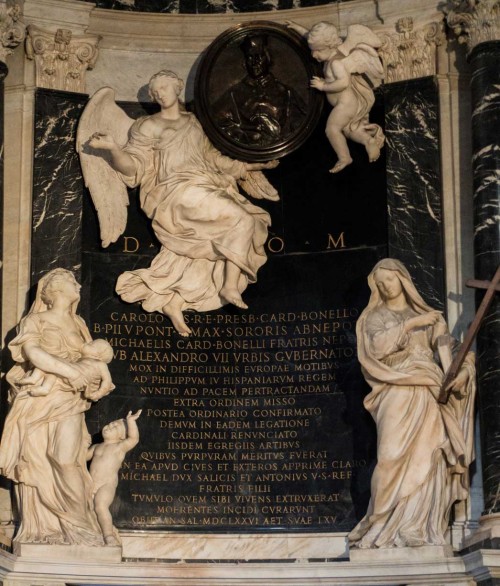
[478, 26]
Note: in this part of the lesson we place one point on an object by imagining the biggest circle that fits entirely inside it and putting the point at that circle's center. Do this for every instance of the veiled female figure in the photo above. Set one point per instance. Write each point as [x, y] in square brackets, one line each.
[44, 443]
[424, 448]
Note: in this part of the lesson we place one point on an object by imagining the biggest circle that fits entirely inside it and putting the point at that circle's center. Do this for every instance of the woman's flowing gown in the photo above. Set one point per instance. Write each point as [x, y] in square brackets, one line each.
[47, 463]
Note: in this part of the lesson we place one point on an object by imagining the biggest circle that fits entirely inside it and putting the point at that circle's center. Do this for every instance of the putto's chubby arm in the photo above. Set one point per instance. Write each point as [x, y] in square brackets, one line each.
[132, 438]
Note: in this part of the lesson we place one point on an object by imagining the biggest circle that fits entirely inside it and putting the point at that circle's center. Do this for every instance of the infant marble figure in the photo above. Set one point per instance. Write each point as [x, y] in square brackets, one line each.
[120, 437]
[95, 356]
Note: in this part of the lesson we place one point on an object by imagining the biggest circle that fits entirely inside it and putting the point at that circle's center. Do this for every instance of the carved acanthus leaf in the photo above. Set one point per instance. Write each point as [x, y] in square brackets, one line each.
[61, 58]
[408, 53]
[12, 29]
[474, 21]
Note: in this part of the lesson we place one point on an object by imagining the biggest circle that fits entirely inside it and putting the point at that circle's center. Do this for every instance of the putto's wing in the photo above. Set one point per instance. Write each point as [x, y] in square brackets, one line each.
[360, 47]
[365, 60]
[257, 186]
[359, 33]
[108, 191]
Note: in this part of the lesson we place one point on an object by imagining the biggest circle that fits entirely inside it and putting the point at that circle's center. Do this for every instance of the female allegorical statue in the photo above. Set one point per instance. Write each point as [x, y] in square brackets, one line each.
[424, 447]
[212, 238]
[45, 439]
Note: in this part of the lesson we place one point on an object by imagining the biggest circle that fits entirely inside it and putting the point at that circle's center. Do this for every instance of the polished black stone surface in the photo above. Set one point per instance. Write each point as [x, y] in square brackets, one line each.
[283, 354]
[57, 184]
[207, 6]
[414, 183]
[256, 421]
[485, 81]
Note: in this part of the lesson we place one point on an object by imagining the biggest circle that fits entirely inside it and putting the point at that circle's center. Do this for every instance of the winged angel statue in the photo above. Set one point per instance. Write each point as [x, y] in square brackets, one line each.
[212, 238]
[352, 68]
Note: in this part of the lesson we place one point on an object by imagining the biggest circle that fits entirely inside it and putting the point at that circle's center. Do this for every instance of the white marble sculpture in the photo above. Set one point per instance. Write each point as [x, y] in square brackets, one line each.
[352, 68]
[120, 437]
[212, 237]
[424, 447]
[43, 448]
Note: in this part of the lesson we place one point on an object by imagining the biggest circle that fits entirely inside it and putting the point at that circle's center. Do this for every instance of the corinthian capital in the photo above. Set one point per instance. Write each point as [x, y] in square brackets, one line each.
[474, 21]
[61, 58]
[409, 53]
[12, 30]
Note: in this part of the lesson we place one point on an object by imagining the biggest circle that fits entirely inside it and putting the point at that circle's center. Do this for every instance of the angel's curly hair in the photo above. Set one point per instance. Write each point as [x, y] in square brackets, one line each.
[324, 33]
[169, 74]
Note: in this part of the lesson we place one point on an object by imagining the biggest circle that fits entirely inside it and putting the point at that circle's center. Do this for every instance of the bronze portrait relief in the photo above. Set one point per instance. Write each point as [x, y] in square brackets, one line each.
[252, 92]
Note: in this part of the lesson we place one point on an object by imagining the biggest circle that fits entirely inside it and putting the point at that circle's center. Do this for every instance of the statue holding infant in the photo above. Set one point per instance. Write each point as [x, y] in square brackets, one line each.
[424, 445]
[59, 371]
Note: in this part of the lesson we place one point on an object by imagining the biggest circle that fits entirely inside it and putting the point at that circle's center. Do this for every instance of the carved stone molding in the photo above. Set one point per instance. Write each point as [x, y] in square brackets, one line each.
[12, 30]
[61, 58]
[474, 21]
[409, 53]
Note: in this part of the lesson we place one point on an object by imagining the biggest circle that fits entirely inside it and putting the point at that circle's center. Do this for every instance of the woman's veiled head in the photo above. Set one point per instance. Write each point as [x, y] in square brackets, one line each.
[394, 268]
[55, 283]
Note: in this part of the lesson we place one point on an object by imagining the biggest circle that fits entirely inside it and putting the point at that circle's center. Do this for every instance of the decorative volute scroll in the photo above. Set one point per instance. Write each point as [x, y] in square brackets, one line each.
[12, 30]
[410, 53]
[474, 21]
[61, 58]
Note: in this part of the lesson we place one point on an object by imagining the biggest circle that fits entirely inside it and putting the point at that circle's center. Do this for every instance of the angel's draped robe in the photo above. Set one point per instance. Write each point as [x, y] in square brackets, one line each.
[189, 190]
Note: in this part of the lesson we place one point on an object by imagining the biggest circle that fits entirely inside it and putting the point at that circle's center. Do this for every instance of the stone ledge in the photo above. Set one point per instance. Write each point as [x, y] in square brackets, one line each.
[68, 553]
[402, 554]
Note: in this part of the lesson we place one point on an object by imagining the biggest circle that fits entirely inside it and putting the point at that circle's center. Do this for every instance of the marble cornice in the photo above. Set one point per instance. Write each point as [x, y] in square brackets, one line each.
[61, 57]
[410, 52]
[12, 29]
[474, 21]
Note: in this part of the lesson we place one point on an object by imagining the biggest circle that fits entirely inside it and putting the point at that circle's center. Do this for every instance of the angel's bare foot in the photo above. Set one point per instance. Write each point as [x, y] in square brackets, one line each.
[373, 149]
[172, 311]
[233, 296]
[340, 164]
[111, 540]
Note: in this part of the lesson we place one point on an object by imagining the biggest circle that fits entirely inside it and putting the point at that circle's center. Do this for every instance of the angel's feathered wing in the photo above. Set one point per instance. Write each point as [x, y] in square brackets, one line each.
[257, 186]
[108, 191]
[360, 47]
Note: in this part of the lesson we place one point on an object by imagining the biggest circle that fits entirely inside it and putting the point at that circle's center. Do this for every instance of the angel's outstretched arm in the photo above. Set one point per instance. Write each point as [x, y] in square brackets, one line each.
[120, 160]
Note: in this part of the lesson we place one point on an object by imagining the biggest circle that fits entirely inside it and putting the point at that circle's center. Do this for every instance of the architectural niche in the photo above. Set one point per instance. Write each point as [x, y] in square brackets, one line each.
[12, 30]
[61, 57]
[409, 53]
[474, 21]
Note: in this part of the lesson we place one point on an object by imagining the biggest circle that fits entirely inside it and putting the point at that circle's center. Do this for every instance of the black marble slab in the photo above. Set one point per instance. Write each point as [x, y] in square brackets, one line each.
[256, 421]
[415, 220]
[210, 457]
[485, 81]
[57, 184]
[207, 6]
[328, 231]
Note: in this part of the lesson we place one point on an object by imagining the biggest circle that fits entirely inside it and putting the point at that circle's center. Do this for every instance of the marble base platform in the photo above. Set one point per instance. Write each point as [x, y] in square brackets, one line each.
[20, 572]
[402, 554]
[209, 560]
[69, 553]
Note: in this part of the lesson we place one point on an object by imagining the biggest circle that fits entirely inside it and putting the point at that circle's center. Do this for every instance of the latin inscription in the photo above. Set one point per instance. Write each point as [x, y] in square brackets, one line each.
[233, 414]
